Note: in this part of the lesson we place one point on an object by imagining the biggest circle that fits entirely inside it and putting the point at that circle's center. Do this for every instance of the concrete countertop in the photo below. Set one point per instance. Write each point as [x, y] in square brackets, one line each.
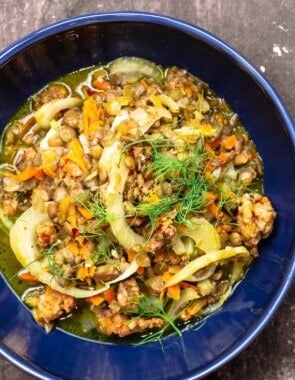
[264, 32]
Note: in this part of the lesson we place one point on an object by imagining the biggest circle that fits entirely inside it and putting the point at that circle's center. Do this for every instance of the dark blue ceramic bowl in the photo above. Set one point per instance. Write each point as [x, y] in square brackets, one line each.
[83, 41]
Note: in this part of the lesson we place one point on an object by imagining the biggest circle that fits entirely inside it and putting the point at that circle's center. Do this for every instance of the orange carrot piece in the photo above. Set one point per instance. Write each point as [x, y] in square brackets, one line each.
[223, 157]
[96, 300]
[27, 276]
[174, 292]
[85, 248]
[229, 142]
[72, 216]
[63, 207]
[90, 115]
[131, 255]
[144, 83]
[73, 247]
[76, 154]
[101, 85]
[87, 214]
[85, 272]
[110, 295]
[214, 209]
[28, 173]
[211, 196]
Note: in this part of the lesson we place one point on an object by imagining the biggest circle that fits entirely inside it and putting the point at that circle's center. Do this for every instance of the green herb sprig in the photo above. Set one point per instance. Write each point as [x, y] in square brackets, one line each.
[151, 307]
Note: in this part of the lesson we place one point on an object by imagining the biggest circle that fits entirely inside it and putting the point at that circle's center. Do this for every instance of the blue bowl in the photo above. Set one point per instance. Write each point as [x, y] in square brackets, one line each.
[86, 40]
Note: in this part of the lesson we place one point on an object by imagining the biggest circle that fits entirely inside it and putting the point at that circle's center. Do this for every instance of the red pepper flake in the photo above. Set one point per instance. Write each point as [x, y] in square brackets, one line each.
[75, 232]
[160, 227]
[90, 92]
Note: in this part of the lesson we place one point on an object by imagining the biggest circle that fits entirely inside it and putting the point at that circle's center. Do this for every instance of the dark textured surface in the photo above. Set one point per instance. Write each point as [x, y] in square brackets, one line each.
[264, 32]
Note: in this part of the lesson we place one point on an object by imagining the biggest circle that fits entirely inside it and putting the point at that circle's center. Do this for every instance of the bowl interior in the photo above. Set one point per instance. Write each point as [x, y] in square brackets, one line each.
[87, 41]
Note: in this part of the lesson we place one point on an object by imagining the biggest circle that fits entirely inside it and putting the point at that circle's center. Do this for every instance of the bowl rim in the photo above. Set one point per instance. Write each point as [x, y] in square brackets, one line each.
[209, 38]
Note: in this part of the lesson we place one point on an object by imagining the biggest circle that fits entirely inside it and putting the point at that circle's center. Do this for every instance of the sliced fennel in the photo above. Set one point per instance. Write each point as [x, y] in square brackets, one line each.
[50, 133]
[146, 118]
[129, 271]
[23, 244]
[132, 69]
[205, 260]
[203, 234]
[47, 112]
[118, 172]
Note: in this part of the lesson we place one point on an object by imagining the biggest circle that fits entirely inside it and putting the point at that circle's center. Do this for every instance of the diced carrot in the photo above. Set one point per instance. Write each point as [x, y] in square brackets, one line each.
[219, 160]
[87, 214]
[85, 248]
[85, 272]
[27, 276]
[96, 300]
[76, 154]
[108, 325]
[39, 175]
[49, 291]
[174, 292]
[73, 247]
[123, 128]
[131, 255]
[211, 196]
[214, 209]
[144, 83]
[101, 84]
[229, 142]
[110, 295]
[223, 157]
[63, 207]
[28, 173]
[81, 274]
[90, 115]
